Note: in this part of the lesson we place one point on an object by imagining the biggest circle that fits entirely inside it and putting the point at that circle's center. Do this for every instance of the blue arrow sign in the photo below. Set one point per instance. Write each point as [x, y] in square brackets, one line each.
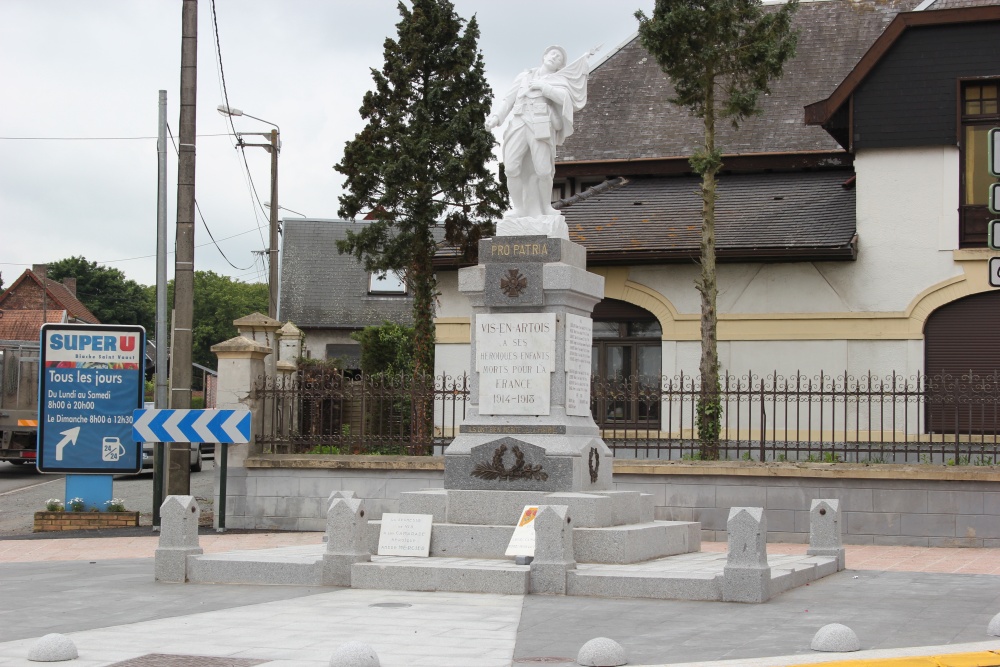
[222, 426]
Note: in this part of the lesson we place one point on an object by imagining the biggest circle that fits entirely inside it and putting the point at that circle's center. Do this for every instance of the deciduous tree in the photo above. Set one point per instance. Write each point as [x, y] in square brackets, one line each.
[721, 56]
[106, 292]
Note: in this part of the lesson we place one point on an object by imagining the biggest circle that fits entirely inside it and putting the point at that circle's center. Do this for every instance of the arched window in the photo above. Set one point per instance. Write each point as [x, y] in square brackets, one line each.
[626, 364]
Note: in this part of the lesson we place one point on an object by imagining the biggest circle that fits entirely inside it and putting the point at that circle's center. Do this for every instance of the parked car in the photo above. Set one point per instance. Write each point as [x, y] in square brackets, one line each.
[196, 456]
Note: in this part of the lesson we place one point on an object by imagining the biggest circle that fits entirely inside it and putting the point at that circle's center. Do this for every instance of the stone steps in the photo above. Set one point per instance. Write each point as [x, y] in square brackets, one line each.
[292, 566]
[632, 543]
[597, 509]
[644, 584]
[457, 575]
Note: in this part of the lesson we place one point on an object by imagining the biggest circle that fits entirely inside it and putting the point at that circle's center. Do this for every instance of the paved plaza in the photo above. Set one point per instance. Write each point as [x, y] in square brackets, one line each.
[100, 592]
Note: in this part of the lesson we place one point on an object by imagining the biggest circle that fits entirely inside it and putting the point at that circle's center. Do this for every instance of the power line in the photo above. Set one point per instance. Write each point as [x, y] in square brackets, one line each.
[205, 224]
[229, 117]
[95, 138]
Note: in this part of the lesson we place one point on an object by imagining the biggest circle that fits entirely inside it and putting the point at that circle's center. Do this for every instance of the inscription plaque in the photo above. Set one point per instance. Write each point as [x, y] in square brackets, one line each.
[513, 429]
[515, 356]
[579, 342]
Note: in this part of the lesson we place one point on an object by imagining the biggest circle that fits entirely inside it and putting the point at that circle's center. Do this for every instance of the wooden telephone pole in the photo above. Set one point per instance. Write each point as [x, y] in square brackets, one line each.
[178, 462]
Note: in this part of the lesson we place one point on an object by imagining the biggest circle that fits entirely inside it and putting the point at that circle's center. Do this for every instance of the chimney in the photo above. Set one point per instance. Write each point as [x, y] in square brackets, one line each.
[70, 284]
[40, 270]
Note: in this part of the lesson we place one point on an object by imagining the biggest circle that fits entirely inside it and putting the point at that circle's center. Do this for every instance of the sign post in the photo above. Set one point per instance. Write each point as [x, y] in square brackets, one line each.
[220, 426]
[993, 227]
[91, 381]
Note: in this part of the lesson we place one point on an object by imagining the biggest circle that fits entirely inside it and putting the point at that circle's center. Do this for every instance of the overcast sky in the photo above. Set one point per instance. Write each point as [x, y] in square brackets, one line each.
[77, 71]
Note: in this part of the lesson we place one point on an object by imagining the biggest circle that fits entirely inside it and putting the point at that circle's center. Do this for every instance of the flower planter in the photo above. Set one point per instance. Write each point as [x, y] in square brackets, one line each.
[46, 521]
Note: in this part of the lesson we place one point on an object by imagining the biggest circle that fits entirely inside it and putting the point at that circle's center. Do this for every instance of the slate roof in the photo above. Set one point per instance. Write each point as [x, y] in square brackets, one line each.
[791, 216]
[323, 289]
[26, 325]
[628, 117]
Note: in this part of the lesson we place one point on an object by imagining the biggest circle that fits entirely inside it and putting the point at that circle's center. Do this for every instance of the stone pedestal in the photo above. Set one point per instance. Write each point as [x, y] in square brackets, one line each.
[528, 426]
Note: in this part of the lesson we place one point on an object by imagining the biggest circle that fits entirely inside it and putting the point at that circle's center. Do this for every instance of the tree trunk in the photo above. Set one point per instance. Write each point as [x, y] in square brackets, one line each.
[709, 403]
[423, 285]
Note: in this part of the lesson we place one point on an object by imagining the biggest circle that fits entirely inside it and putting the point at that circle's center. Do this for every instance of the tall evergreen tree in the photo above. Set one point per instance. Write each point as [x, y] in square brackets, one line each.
[422, 157]
[720, 55]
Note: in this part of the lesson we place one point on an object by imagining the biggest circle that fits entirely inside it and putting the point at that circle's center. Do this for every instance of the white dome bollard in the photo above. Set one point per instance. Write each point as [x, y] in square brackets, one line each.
[354, 654]
[602, 652]
[835, 638]
[53, 647]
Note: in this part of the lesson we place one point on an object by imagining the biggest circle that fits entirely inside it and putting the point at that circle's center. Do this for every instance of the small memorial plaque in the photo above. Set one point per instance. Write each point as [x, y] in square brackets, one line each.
[522, 542]
[405, 535]
[515, 357]
[579, 342]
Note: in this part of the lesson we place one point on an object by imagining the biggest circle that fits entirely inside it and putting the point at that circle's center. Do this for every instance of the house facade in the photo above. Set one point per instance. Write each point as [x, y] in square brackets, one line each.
[851, 215]
[329, 296]
[33, 300]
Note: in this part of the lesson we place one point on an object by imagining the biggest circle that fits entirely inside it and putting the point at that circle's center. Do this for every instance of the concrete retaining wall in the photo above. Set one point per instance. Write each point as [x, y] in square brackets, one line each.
[919, 505]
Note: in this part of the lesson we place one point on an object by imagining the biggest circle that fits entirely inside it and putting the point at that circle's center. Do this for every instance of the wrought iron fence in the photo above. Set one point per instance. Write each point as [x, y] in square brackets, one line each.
[322, 411]
[867, 419]
[824, 418]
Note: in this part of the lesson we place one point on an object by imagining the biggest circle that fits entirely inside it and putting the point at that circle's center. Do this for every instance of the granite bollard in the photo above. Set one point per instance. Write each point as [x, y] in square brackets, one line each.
[747, 576]
[824, 531]
[354, 654]
[993, 628]
[179, 517]
[553, 550]
[53, 647]
[835, 638]
[602, 652]
[345, 539]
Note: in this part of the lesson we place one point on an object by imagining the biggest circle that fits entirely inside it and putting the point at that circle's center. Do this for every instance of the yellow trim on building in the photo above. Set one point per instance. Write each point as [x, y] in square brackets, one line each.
[903, 325]
[452, 330]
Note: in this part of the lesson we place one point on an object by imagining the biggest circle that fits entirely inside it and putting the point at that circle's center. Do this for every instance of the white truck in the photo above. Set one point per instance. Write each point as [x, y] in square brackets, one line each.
[18, 401]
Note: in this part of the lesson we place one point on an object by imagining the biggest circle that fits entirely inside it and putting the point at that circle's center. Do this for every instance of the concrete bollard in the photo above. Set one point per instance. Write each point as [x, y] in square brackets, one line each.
[747, 576]
[53, 647]
[602, 652]
[993, 628]
[345, 540]
[553, 550]
[835, 638]
[824, 531]
[179, 517]
[354, 654]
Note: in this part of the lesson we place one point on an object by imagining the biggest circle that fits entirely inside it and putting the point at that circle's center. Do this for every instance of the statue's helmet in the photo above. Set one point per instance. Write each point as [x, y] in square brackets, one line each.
[561, 50]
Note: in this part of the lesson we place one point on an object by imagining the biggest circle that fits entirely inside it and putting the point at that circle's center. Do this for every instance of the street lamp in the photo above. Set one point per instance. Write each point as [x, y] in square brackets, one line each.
[272, 147]
[268, 205]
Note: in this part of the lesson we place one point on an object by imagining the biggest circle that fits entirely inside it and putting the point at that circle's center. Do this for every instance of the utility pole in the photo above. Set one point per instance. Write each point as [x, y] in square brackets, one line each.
[273, 147]
[272, 256]
[161, 398]
[179, 466]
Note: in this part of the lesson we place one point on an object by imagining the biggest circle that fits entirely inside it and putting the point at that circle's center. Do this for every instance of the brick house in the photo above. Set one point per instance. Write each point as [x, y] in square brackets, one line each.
[34, 299]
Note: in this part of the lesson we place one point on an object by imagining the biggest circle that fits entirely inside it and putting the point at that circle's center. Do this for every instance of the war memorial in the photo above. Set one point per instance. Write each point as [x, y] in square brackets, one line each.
[528, 504]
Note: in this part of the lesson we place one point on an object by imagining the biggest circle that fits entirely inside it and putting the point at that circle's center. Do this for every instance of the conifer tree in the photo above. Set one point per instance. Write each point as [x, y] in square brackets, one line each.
[422, 157]
[721, 56]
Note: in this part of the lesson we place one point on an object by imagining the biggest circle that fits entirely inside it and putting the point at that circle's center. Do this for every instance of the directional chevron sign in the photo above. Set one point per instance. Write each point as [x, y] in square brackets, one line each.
[191, 425]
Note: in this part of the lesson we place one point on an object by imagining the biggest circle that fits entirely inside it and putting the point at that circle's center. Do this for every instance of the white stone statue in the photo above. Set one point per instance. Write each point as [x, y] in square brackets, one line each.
[541, 104]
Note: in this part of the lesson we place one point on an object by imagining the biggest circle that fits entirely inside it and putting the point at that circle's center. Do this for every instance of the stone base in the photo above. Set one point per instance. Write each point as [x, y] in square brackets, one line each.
[553, 226]
[528, 462]
[49, 521]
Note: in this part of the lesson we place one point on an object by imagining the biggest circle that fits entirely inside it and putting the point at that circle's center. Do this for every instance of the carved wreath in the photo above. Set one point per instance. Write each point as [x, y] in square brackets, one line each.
[496, 470]
[513, 283]
[594, 463]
